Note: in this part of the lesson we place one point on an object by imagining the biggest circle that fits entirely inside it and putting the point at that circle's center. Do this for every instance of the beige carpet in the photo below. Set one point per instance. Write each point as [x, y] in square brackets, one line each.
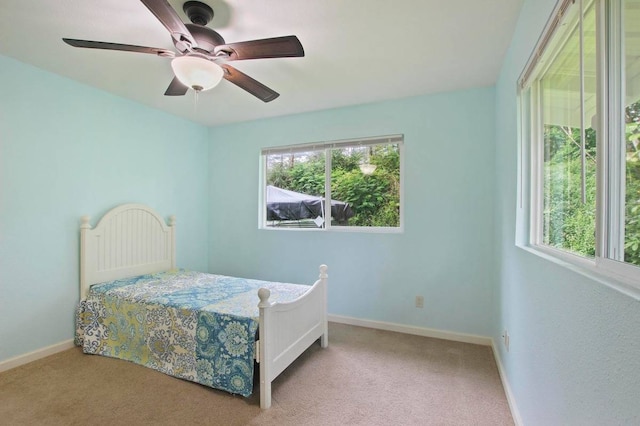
[364, 377]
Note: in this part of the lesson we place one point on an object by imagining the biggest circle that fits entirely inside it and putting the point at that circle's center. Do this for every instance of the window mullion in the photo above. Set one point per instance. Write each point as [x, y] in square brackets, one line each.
[583, 148]
[602, 130]
[620, 141]
[615, 177]
[537, 159]
[327, 188]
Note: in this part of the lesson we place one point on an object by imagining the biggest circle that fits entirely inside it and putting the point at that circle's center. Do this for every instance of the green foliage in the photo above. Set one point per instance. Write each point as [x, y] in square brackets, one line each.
[308, 178]
[632, 189]
[374, 199]
[280, 176]
[386, 157]
[567, 222]
[368, 196]
[346, 162]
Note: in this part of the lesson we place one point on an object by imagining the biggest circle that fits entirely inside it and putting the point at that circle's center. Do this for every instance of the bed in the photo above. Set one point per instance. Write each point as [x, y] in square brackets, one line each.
[135, 305]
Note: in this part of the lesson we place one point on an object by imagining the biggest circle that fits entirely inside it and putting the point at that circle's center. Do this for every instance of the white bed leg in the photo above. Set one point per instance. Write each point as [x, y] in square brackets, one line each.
[324, 339]
[264, 360]
[265, 395]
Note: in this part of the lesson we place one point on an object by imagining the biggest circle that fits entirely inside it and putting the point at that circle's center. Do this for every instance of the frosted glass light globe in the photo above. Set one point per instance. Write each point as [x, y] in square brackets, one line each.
[197, 73]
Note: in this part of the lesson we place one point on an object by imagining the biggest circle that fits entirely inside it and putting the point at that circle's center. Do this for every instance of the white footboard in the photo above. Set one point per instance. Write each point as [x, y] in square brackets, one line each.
[288, 329]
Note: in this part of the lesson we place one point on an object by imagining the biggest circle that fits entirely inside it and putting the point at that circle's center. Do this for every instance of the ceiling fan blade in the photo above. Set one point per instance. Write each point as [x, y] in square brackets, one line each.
[247, 83]
[172, 22]
[176, 88]
[277, 47]
[117, 46]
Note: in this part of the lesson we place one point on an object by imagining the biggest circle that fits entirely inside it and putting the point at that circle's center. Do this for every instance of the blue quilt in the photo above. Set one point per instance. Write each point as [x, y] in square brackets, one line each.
[195, 326]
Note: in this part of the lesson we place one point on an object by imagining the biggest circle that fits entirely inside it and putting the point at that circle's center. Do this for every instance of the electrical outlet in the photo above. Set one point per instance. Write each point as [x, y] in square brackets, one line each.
[505, 339]
[419, 301]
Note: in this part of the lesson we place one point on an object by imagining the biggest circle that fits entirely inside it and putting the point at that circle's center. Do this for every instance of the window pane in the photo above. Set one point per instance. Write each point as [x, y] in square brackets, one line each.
[365, 186]
[632, 130]
[568, 221]
[294, 192]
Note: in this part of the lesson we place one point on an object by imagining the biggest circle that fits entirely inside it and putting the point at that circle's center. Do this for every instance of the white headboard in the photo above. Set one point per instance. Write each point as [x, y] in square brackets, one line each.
[129, 240]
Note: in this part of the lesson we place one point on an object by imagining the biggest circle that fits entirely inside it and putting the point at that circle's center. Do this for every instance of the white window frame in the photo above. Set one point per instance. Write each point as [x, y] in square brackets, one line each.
[610, 179]
[397, 139]
[612, 206]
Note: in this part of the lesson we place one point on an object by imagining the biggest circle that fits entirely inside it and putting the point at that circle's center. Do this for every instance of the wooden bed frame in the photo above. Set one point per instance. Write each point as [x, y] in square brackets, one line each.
[132, 239]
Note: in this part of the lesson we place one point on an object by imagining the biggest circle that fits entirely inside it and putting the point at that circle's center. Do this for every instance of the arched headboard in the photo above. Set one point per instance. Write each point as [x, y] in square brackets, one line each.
[129, 240]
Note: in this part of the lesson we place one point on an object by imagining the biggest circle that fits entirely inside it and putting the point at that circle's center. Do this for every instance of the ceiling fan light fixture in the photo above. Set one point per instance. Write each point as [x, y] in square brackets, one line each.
[197, 73]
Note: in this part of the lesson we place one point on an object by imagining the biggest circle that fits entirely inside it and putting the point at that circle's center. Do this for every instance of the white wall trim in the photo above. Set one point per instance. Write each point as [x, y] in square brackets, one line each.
[410, 329]
[515, 413]
[35, 355]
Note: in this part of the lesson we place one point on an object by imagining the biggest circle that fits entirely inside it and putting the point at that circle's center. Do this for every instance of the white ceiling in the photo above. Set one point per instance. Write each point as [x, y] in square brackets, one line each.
[357, 51]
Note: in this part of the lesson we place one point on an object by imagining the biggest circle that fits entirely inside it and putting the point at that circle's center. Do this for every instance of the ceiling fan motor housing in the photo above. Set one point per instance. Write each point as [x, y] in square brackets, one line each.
[198, 12]
[206, 38]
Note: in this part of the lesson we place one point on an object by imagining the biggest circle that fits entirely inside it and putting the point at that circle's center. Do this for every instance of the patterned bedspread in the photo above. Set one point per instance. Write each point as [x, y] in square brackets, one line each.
[195, 326]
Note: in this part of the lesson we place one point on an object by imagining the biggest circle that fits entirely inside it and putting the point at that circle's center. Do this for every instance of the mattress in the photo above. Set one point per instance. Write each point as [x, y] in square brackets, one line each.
[191, 325]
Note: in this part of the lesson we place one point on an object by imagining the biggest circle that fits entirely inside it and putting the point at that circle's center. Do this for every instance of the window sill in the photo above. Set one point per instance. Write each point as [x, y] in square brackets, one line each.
[355, 230]
[588, 269]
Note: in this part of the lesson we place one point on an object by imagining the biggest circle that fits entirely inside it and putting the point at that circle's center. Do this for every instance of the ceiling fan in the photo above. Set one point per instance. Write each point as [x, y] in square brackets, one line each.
[203, 55]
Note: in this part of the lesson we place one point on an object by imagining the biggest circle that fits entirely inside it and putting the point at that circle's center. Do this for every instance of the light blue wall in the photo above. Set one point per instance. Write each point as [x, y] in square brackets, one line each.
[445, 252]
[574, 357]
[67, 150]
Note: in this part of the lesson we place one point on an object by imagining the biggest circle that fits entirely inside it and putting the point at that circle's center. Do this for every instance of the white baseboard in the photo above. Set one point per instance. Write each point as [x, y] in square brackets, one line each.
[409, 329]
[515, 413]
[37, 354]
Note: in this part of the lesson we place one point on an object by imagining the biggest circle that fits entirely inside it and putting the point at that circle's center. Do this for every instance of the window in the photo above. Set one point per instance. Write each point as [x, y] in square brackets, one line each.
[353, 184]
[580, 105]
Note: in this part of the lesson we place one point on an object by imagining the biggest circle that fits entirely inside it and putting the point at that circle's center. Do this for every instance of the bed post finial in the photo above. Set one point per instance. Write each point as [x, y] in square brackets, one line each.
[172, 229]
[264, 295]
[323, 272]
[84, 222]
